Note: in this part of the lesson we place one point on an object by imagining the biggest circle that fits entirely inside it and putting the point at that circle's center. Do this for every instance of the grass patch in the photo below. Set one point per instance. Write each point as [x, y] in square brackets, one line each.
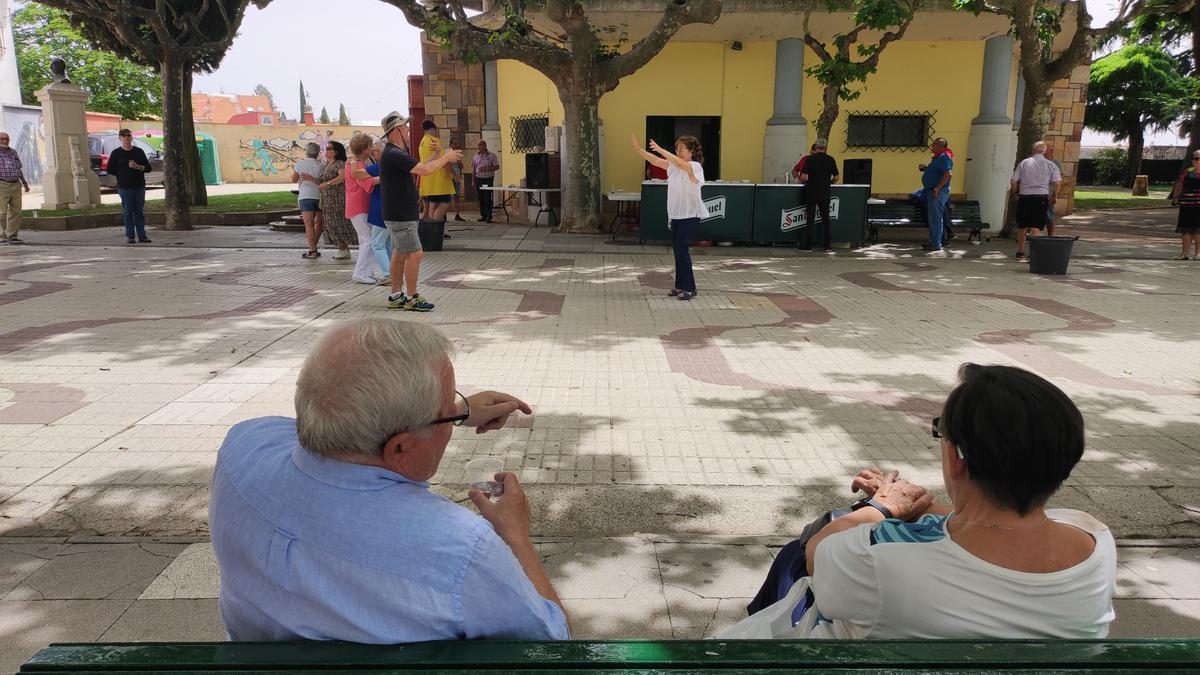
[1113, 199]
[244, 203]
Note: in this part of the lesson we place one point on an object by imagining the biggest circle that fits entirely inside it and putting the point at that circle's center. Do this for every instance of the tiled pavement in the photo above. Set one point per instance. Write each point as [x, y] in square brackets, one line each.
[674, 444]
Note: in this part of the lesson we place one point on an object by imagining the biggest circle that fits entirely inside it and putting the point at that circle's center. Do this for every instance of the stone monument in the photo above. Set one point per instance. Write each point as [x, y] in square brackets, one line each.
[69, 182]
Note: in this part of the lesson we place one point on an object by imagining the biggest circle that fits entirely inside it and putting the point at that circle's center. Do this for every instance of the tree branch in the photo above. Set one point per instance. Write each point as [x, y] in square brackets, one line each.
[674, 17]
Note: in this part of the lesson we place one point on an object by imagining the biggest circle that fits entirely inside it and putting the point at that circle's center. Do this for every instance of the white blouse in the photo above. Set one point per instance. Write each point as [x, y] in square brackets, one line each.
[683, 196]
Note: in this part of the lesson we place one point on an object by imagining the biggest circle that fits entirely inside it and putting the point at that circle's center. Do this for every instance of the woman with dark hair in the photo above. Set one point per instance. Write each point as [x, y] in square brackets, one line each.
[1186, 194]
[338, 230]
[685, 206]
[994, 562]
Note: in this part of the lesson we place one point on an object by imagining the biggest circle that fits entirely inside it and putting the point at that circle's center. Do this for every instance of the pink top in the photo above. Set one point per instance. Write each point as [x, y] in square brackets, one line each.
[358, 192]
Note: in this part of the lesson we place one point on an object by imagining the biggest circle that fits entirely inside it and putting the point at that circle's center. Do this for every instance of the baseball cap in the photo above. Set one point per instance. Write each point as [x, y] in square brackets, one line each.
[391, 121]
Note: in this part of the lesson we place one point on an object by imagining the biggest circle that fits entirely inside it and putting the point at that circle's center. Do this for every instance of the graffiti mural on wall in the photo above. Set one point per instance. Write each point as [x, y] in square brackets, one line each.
[29, 140]
[263, 159]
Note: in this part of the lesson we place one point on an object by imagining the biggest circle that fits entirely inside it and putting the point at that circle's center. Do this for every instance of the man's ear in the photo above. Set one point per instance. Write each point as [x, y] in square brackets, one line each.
[393, 450]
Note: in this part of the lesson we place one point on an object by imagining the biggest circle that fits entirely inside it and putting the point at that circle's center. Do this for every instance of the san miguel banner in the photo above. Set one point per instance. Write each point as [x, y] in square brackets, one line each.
[716, 208]
[797, 218]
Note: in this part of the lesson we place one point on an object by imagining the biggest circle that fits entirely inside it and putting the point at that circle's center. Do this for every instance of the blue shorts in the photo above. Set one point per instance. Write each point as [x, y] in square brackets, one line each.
[310, 205]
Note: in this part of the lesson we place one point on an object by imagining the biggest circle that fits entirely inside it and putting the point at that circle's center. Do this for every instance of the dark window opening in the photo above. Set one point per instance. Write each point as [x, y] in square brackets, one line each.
[889, 131]
[528, 132]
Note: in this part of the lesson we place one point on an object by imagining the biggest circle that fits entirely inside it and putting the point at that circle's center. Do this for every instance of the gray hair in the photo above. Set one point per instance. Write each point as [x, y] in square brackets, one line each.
[1039, 148]
[366, 381]
[821, 143]
[312, 150]
[379, 143]
[941, 141]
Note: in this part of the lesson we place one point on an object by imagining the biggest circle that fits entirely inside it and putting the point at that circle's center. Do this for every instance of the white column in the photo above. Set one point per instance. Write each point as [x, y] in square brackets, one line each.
[69, 181]
[991, 134]
[491, 113]
[786, 137]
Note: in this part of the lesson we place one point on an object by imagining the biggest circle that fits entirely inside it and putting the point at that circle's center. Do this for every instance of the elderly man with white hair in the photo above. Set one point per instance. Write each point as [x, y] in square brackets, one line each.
[1035, 181]
[324, 526]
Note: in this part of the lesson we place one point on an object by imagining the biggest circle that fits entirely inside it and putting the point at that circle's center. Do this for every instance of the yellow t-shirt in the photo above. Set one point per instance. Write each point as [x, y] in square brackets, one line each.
[439, 182]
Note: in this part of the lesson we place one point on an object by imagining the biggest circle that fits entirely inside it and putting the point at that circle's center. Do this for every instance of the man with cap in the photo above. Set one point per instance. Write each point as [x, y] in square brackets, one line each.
[399, 193]
[818, 174]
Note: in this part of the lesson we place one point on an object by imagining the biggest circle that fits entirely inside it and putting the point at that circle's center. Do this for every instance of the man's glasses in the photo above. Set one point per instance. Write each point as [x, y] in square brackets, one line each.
[456, 420]
[936, 431]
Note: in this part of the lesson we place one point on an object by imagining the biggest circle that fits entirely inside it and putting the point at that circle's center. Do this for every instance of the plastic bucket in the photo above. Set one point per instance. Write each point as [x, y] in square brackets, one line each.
[1050, 255]
[431, 232]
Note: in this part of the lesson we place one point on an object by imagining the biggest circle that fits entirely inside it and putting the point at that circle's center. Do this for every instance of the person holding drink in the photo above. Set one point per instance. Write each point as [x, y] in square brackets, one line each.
[685, 206]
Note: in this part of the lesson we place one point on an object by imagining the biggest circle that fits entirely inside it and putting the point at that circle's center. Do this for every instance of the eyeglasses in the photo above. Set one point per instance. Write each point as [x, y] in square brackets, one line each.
[936, 431]
[456, 420]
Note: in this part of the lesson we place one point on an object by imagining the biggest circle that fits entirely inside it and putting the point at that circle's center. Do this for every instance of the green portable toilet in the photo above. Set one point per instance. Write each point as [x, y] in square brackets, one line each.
[208, 159]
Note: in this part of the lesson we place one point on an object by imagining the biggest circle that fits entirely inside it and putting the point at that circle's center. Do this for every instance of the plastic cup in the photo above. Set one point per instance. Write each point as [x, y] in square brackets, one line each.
[481, 475]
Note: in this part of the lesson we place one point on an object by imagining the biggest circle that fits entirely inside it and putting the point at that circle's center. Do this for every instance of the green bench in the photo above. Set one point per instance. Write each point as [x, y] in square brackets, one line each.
[906, 213]
[644, 656]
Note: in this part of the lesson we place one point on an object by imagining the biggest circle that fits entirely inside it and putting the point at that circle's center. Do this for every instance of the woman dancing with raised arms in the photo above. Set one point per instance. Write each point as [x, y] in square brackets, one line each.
[685, 206]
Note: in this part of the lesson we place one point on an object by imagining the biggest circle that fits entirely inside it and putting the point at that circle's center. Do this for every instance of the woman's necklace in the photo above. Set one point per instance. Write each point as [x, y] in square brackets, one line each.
[952, 520]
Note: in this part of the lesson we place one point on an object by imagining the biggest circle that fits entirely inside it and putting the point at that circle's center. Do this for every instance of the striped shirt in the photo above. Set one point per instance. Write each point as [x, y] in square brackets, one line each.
[485, 165]
[10, 166]
[1035, 174]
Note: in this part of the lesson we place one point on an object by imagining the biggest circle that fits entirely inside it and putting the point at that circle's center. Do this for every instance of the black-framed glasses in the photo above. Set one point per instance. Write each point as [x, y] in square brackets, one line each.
[456, 420]
[936, 430]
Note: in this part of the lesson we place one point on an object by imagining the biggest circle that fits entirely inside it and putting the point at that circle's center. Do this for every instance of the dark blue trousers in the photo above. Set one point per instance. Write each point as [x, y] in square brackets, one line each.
[682, 232]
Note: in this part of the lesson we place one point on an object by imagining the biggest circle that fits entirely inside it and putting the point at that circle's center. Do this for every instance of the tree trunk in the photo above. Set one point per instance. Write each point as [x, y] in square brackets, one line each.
[177, 209]
[1194, 136]
[581, 194]
[197, 192]
[1137, 141]
[1035, 119]
[830, 109]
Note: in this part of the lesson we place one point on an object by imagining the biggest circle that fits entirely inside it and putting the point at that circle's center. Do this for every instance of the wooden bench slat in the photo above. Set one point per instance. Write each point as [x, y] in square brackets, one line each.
[904, 213]
[613, 656]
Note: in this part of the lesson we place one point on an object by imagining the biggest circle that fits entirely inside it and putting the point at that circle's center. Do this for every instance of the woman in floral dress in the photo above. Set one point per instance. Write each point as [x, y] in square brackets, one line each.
[338, 230]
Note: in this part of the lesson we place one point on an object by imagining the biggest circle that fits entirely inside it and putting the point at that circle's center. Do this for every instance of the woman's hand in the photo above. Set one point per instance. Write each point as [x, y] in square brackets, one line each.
[490, 410]
[656, 148]
[636, 146]
[905, 500]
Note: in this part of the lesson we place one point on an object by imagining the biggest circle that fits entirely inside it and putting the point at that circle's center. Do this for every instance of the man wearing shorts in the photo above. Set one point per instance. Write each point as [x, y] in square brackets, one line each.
[399, 193]
[437, 188]
[1035, 181]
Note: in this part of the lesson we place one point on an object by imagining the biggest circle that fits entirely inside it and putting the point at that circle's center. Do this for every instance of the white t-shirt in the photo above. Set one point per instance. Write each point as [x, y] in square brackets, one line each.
[309, 189]
[1035, 174]
[914, 581]
[683, 196]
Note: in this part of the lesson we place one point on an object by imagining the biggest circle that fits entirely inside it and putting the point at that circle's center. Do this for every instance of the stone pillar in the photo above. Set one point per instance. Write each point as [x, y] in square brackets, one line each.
[69, 181]
[990, 141]
[786, 137]
[491, 113]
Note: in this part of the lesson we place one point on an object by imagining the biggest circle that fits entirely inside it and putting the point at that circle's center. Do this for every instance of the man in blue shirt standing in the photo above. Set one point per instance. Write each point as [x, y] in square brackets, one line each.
[324, 526]
[936, 183]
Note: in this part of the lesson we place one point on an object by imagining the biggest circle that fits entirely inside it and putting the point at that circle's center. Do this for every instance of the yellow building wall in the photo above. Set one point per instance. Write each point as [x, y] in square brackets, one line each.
[938, 77]
[710, 79]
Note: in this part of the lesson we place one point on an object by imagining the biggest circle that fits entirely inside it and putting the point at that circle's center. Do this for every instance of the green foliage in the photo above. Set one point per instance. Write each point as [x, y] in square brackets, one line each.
[324, 118]
[343, 118]
[116, 85]
[1111, 164]
[842, 70]
[261, 90]
[1137, 87]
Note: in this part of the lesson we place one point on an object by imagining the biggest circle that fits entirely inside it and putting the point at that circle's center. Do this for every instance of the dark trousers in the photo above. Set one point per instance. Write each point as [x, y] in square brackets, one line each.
[789, 566]
[682, 232]
[485, 196]
[815, 204]
[133, 204]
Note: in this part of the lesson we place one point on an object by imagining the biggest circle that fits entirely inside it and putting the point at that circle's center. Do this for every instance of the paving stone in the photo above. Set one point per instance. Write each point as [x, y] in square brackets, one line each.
[640, 615]
[97, 572]
[1174, 570]
[599, 568]
[1155, 618]
[26, 627]
[19, 560]
[193, 574]
[714, 571]
[168, 621]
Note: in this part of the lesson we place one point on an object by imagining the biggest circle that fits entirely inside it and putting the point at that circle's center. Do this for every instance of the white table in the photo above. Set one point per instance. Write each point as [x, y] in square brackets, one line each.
[510, 192]
[627, 209]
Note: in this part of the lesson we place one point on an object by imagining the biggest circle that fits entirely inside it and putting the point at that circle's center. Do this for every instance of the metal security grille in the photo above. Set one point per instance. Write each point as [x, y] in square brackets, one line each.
[527, 132]
[902, 131]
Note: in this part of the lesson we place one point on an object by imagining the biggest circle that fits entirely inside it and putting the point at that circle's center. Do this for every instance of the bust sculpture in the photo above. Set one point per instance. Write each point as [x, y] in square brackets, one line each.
[58, 70]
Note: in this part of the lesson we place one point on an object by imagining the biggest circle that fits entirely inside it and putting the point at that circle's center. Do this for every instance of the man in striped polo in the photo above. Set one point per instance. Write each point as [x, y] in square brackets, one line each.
[1036, 182]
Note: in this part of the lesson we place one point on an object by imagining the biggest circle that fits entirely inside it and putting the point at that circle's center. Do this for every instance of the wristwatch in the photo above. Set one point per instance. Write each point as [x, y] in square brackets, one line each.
[868, 501]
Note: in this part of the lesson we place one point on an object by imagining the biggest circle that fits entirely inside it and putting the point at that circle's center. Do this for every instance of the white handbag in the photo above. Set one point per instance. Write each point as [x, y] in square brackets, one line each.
[775, 621]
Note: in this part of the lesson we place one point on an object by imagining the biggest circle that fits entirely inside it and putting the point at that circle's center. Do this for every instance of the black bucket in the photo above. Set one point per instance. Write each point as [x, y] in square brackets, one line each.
[1050, 255]
[431, 232]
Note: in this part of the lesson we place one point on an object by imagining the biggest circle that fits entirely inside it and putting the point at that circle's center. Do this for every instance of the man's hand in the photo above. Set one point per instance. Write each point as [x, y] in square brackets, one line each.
[905, 500]
[27, 187]
[803, 178]
[510, 515]
[870, 479]
[922, 167]
[490, 410]
[936, 190]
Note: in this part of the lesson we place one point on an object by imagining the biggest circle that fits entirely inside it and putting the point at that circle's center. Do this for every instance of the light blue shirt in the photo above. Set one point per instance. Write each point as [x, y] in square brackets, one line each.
[313, 548]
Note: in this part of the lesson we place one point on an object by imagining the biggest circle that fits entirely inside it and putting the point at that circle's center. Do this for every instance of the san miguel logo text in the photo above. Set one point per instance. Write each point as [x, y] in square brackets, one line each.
[797, 218]
[716, 208]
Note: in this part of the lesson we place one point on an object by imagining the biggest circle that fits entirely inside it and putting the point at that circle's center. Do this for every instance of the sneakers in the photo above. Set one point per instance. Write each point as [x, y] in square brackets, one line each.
[418, 304]
[1020, 255]
[364, 280]
[397, 301]
[342, 254]
[144, 240]
[930, 247]
[130, 240]
[687, 295]
[383, 281]
[459, 218]
[15, 240]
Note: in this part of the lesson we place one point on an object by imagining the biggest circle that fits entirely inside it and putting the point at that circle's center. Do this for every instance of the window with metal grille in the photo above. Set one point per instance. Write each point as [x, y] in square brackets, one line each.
[900, 131]
[528, 132]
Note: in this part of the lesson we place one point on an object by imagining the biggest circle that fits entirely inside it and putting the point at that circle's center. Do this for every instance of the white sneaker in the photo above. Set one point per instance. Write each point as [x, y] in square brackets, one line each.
[384, 281]
[364, 280]
[341, 254]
